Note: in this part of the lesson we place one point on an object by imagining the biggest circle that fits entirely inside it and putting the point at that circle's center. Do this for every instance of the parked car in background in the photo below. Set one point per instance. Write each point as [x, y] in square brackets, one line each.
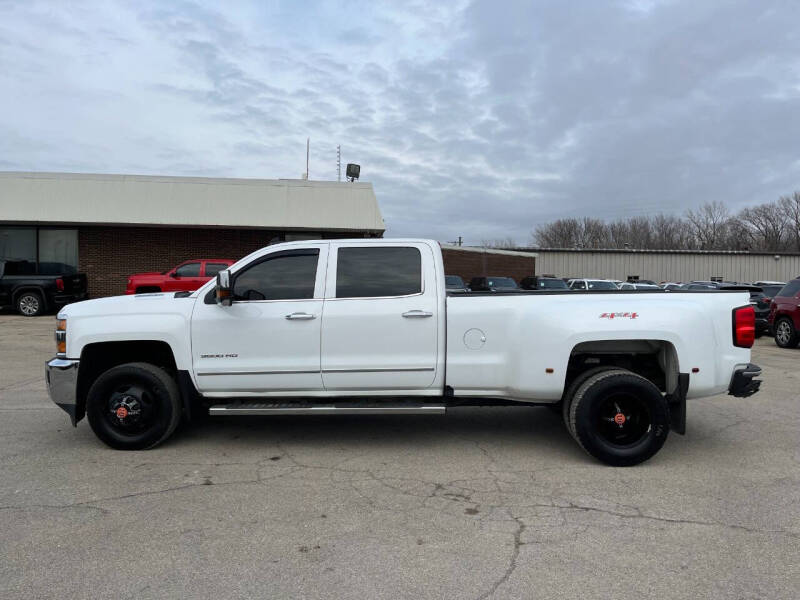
[492, 284]
[784, 315]
[534, 282]
[32, 293]
[643, 281]
[671, 286]
[704, 285]
[758, 300]
[454, 283]
[770, 289]
[186, 277]
[761, 304]
[592, 285]
[769, 283]
[635, 285]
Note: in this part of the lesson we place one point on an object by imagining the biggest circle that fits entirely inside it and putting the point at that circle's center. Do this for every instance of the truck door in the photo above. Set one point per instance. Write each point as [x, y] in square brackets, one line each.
[268, 340]
[185, 278]
[379, 323]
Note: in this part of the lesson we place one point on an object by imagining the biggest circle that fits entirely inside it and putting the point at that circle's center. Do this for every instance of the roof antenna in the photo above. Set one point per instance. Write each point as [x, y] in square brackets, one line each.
[308, 147]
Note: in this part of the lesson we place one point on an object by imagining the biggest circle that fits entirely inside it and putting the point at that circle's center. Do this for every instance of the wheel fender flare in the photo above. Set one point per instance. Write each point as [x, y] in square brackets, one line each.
[17, 292]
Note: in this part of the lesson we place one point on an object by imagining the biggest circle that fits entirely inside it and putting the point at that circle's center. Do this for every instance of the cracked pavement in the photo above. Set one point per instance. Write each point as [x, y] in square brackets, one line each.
[477, 504]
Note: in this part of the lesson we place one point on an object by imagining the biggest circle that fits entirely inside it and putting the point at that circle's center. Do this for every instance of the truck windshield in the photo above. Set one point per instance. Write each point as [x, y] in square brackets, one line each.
[502, 282]
[552, 284]
[602, 285]
[453, 281]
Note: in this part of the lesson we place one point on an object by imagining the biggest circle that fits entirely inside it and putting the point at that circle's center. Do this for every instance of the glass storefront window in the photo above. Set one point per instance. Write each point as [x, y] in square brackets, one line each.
[18, 250]
[28, 251]
[58, 251]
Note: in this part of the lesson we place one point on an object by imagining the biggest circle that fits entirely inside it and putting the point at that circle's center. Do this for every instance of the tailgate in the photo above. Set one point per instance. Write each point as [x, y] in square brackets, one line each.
[74, 284]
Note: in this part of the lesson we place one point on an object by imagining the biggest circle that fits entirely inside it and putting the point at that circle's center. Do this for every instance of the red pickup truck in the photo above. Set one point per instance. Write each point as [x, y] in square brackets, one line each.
[186, 277]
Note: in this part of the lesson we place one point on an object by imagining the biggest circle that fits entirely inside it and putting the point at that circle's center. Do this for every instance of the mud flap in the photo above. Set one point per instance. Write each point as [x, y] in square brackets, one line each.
[677, 405]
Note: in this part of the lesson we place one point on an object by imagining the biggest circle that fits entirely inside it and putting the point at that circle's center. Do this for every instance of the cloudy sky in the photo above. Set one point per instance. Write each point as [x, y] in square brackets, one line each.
[480, 119]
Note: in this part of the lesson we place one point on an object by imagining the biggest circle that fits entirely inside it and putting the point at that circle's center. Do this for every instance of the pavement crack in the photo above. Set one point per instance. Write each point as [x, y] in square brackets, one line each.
[512, 564]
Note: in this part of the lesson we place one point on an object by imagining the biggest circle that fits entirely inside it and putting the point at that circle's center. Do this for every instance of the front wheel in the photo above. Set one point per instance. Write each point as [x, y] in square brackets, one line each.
[134, 406]
[785, 333]
[619, 417]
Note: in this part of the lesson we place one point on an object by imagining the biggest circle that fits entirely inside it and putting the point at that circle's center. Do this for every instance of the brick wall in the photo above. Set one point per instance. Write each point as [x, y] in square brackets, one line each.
[469, 264]
[109, 254]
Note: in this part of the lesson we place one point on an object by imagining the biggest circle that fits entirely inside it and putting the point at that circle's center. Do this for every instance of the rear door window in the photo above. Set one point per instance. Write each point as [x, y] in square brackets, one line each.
[378, 272]
[790, 289]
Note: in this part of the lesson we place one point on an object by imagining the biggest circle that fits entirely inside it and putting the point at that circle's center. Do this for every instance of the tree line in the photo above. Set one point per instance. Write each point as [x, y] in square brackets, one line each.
[770, 227]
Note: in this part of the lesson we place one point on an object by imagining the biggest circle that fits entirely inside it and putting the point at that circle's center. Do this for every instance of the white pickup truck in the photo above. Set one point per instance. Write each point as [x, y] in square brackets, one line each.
[366, 326]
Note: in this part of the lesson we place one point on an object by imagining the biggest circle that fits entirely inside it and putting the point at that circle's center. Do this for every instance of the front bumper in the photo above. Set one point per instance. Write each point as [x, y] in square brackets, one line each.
[743, 382]
[61, 375]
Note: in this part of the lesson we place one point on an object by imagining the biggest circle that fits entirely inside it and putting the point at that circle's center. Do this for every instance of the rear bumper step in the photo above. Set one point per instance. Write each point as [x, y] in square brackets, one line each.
[743, 383]
[297, 408]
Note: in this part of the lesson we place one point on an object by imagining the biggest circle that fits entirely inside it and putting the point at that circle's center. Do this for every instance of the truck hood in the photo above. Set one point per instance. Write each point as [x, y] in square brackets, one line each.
[140, 304]
[147, 274]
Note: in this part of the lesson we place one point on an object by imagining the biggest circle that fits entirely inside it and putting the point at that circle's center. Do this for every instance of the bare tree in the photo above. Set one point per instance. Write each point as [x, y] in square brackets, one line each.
[669, 232]
[772, 227]
[708, 224]
[561, 233]
[767, 225]
[593, 233]
[790, 205]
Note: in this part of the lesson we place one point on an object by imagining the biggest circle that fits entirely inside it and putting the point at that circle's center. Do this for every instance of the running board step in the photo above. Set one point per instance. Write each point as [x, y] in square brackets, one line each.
[350, 408]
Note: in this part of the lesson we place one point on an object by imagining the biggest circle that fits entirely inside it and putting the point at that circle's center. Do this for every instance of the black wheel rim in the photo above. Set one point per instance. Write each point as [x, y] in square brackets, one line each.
[623, 419]
[131, 408]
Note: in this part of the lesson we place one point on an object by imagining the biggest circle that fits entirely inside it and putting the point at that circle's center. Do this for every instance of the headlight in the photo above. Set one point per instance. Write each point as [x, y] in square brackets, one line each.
[61, 337]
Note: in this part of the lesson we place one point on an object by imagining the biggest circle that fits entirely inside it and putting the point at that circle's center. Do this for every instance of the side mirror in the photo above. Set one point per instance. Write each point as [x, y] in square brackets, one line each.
[223, 288]
[173, 274]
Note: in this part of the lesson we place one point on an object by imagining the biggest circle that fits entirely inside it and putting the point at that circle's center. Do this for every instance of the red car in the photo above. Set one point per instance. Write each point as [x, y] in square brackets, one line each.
[186, 277]
[784, 315]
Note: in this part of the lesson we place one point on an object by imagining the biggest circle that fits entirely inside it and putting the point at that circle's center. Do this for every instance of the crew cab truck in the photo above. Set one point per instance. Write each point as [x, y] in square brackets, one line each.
[32, 293]
[366, 326]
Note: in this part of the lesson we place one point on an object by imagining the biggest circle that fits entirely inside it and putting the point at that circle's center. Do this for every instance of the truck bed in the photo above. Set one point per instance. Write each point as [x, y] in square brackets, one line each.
[519, 344]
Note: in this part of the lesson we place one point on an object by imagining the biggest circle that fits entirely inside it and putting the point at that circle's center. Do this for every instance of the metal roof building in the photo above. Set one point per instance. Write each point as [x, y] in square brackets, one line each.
[667, 265]
[110, 226]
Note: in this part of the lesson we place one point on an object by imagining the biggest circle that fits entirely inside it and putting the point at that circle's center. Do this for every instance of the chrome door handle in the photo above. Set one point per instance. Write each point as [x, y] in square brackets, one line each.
[300, 316]
[417, 314]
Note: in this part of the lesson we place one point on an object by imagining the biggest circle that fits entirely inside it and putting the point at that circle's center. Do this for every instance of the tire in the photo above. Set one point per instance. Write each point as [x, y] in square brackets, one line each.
[569, 394]
[619, 417]
[134, 406]
[148, 290]
[30, 304]
[785, 333]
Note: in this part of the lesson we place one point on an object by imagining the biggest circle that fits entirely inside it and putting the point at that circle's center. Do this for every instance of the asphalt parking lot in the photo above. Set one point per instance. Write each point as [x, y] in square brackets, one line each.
[480, 503]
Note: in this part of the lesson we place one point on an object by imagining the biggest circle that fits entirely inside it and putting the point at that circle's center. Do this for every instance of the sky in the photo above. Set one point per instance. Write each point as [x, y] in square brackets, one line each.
[480, 119]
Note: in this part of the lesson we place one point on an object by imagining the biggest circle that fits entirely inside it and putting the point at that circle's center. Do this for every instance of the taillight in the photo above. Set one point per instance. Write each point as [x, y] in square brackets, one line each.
[60, 284]
[744, 326]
